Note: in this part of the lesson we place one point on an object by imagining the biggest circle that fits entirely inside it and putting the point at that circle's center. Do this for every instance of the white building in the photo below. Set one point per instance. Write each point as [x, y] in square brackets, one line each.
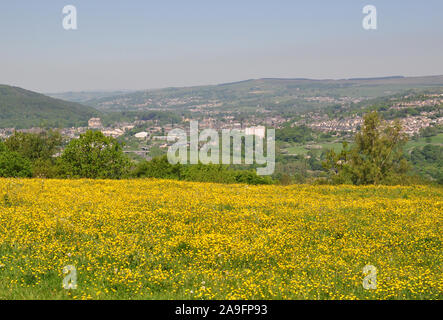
[259, 131]
[141, 135]
[115, 133]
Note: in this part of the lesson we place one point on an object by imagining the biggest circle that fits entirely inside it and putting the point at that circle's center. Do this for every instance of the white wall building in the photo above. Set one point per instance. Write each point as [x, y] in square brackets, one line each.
[141, 135]
[259, 131]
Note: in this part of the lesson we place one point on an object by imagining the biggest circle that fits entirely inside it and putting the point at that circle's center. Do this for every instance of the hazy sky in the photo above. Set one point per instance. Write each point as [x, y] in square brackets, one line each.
[141, 44]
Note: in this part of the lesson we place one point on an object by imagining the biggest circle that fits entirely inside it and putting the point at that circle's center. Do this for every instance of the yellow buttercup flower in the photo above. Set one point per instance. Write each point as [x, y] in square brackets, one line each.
[160, 239]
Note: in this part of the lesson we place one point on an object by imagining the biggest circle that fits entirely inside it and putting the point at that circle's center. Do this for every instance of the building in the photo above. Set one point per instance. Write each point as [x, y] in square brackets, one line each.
[115, 133]
[142, 135]
[95, 123]
[259, 131]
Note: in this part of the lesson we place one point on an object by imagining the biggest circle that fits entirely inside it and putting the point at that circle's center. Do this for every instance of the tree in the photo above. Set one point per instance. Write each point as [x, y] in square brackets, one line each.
[94, 156]
[375, 158]
[428, 161]
[297, 134]
[35, 146]
[39, 149]
[13, 165]
[159, 168]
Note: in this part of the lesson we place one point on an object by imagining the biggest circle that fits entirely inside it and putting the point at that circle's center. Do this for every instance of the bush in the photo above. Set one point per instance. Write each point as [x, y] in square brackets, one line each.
[34, 146]
[13, 165]
[160, 168]
[94, 156]
[45, 168]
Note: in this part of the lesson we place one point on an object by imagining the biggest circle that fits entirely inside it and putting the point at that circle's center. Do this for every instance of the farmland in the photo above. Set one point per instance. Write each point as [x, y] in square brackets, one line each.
[160, 239]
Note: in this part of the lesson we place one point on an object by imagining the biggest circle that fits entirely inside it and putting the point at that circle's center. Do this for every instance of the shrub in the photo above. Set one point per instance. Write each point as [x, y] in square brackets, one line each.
[13, 165]
[94, 156]
[160, 168]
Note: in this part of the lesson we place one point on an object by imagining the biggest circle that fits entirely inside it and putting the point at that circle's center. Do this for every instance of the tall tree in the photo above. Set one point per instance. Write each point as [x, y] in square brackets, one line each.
[35, 146]
[376, 156]
[94, 156]
[39, 149]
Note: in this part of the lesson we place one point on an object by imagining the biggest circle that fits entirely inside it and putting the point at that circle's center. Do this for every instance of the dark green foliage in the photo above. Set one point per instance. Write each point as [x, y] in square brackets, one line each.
[46, 168]
[13, 165]
[39, 149]
[21, 108]
[313, 163]
[161, 168]
[428, 161]
[221, 174]
[94, 156]
[431, 131]
[35, 146]
[157, 168]
[298, 134]
[292, 171]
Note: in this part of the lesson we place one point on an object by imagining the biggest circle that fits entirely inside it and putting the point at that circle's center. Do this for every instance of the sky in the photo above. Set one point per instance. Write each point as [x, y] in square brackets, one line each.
[144, 44]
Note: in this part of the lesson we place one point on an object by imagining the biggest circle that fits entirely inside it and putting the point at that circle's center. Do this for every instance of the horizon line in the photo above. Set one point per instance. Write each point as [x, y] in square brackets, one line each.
[232, 83]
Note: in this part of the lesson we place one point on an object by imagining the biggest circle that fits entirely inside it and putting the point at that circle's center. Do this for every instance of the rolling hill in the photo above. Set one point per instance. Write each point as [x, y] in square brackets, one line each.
[244, 95]
[84, 96]
[20, 108]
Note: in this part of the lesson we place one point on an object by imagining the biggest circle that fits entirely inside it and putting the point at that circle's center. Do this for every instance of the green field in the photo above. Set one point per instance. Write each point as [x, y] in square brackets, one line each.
[303, 149]
[436, 140]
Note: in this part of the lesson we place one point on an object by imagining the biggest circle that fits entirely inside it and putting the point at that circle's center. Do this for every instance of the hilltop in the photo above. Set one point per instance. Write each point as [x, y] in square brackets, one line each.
[272, 93]
[83, 96]
[20, 108]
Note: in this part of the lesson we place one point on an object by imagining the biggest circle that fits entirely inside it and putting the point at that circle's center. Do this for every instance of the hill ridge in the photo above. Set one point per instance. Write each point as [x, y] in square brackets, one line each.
[21, 108]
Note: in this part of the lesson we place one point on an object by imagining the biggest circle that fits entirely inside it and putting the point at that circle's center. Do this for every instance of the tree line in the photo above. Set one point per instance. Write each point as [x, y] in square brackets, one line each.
[95, 156]
[376, 157]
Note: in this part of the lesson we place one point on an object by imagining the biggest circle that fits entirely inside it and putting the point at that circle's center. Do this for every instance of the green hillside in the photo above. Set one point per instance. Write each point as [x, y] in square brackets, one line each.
[275, 94]
[84, 96]
[21, 108]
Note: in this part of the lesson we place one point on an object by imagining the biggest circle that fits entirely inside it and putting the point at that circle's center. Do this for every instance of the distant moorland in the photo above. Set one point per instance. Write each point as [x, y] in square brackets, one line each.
[21, 108]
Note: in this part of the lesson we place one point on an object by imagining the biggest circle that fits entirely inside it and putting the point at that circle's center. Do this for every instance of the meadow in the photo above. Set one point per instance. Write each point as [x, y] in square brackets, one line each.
[435, 140]
[160, 239]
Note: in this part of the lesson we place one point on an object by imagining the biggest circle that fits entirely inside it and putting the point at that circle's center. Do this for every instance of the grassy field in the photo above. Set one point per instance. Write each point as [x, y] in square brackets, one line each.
[435, 140]
[303, 149]
[153, 239]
